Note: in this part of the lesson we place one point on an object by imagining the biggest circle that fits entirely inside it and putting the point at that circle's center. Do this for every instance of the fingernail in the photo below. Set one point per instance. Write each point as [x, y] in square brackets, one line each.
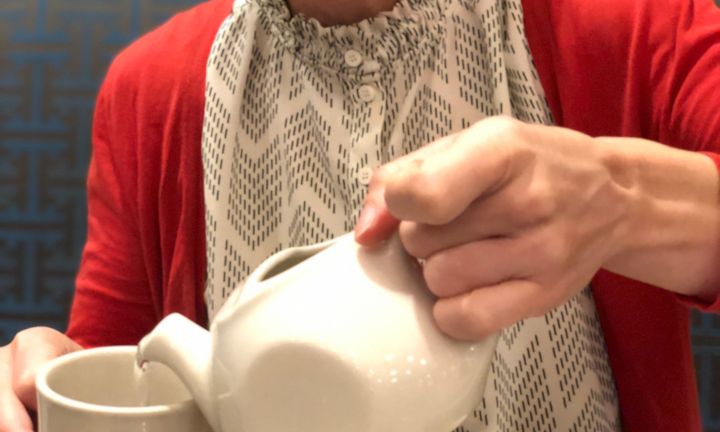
[366, 219]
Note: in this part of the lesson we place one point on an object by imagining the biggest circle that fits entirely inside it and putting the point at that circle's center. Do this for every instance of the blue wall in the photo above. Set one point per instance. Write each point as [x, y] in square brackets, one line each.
[53, 54]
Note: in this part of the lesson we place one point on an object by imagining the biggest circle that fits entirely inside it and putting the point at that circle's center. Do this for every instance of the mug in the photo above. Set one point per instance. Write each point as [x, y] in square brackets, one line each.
[100, 389]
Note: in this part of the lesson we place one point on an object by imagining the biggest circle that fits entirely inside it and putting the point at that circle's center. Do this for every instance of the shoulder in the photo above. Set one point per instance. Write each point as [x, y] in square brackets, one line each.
[169, 59]
[611, 30]
[593, 56]
[608, 14]
[152, 101]
[603, 29]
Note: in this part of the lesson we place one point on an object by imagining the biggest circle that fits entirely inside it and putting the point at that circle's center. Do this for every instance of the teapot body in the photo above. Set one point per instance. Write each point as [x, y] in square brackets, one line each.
[340, 337]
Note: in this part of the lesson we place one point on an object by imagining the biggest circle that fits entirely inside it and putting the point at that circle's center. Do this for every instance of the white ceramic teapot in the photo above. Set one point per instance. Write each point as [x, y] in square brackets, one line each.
[330, 337]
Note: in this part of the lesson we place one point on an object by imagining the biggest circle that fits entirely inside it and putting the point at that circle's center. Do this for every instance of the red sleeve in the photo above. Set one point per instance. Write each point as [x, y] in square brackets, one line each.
[112, 303]
[144, 255]
[704, 305]
[640, 68]
[691, 102]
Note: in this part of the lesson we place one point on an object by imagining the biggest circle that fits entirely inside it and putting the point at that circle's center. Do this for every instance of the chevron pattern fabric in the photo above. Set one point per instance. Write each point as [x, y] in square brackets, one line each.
[48, 65]
[297, 118]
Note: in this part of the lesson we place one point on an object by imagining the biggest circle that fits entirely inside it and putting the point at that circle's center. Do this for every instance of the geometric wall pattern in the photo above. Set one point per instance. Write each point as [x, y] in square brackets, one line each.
[706, 346]
[53, 54]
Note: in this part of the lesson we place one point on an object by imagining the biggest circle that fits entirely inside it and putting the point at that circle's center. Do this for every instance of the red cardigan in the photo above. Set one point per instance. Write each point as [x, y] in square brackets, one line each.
[647, 68]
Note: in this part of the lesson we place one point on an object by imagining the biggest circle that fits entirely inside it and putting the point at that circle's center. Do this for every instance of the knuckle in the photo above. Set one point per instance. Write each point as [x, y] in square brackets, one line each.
[504, 127]
[23, 381]
[537, 204]
[532, 245]
[540, 204]
[450, 273]
[534, 206]
[20, 339]
[376, 188]
[412, 239]
[553, 296]
[380, 175]
[478, 322]
[429, 198]
[28, 337]
[542, 248]
[422, 240]
[435, 276]
[418, 195]
[555, 250]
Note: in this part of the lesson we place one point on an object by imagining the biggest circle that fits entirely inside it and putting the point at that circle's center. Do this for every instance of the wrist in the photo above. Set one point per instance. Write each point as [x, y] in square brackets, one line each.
[669, 234]
[626, 198]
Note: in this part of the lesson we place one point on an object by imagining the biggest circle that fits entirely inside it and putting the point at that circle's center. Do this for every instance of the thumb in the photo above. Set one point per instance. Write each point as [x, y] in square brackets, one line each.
[375, 223]
[32, 349]
[13, 417]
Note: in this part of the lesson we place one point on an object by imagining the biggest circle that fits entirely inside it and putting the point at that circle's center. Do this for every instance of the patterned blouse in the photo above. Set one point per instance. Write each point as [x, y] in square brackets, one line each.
[298, 116]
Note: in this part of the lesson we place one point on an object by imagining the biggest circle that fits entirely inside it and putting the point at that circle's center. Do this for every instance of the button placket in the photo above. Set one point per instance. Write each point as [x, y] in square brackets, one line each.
[368, 93]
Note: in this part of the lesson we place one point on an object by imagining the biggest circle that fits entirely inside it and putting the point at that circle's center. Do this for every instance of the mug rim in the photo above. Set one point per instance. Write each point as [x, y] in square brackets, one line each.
[44, 389]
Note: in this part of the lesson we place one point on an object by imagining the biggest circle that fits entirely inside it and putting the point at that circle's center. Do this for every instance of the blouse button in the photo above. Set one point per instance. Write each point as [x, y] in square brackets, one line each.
[364, 175]
[353, 58]
[367, 93]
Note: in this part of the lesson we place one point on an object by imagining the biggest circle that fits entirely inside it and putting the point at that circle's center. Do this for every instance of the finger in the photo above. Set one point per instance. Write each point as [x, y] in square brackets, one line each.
[482, 312]
[436, 188]
[508, 214]
[478, 264]
[377, 219]
[32, 349]
[13, 416]
[375, 223]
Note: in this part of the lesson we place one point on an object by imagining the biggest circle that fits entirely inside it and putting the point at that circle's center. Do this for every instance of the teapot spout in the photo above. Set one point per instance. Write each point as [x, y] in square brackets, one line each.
[185, 348]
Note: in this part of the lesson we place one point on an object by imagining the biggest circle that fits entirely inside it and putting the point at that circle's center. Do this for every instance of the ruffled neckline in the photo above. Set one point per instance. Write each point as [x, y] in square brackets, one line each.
[409, 26]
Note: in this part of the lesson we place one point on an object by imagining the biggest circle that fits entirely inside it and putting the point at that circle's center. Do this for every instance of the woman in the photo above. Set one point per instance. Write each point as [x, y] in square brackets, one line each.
[313, 112]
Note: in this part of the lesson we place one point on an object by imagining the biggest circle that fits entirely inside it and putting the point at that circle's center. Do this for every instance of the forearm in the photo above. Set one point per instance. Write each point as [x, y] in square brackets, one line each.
[670, 237]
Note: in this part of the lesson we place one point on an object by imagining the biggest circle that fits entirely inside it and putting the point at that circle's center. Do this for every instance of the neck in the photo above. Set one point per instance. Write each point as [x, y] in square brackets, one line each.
[340, 12]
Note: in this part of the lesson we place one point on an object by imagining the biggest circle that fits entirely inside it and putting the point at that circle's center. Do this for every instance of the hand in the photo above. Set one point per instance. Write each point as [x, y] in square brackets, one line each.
[19, 363]
[510, 220]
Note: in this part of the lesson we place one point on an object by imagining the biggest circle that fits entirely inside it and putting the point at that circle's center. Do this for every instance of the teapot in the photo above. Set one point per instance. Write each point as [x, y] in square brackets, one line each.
[329, 337]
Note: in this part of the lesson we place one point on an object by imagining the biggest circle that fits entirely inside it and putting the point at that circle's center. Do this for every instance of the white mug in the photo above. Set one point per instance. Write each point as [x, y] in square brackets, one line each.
[98, 390]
